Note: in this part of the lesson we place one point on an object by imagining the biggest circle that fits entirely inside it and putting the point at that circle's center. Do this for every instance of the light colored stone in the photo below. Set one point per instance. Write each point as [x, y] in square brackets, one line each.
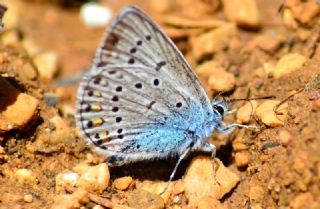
[271, 40]
[61, 130]
[78, 198]
[256, 193]
[289, 19]
[18, 114]
[244, 12]
[213, 41]
[218, 78]
[122, 183]
[156, 188]
[25, 176]
[95, 14]
[47, 64]
[30, 46]
[288, 64]
[29, 71]
[141, 199]
[271, 114]
[239, 143]
[10, 39]
[178, 187]
[222, 82]
[210, 203]
[28, 198]
[66, 179]
[242, 158]
[208, 68]
[285, 137]
[245, 113]
[95, 178]
[269, 68]
[97, 207]
[14, 112]
[202, 179]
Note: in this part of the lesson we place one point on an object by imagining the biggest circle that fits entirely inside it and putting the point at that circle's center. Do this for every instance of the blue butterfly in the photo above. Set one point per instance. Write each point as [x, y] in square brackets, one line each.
[141, 101]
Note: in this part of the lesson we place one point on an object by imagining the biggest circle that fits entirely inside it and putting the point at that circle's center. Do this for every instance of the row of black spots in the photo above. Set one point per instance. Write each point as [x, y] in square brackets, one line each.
[156, 82]
[134, 50]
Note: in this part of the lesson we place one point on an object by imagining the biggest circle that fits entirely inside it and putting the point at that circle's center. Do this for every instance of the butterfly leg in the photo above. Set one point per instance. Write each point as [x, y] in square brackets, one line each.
[207, 147]
[184, 154]
[229, 128]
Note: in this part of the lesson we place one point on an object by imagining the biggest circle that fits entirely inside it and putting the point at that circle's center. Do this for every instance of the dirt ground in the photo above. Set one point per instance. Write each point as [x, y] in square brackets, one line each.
[278, 165]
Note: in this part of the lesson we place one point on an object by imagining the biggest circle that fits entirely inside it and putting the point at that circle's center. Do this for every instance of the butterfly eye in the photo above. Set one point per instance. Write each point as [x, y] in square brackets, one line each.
[219, 109]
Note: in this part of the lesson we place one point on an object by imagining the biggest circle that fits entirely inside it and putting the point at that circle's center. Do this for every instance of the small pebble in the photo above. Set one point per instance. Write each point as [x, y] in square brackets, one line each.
[30, 46]
[75, 200]
[210, 203]
[222, 81]
[122, 183]
[58, 133]
[219, 79]
[256, 193]
[29, 71]
[51, 99]
[95, 178]
[256, 206]
[95, 15]
[270, 114]
[66, 179]
[202, 179]
[288, 19]
[10, 39]
[47, 64]
[141, 199]
[25, 176]
[28, 198]
[269, 68]
[242, 158]
[316, 105]
[156, 188]
[288, 64]
[245, 113]
[178, 187]
[208, 68]
[213, 41]
[239, 144]
[98, 207]
[244, 12]
[271, 40]
[285, 137]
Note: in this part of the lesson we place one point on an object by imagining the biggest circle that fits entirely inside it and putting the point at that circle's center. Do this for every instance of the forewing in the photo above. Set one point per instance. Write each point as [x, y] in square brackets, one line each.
[139, 84]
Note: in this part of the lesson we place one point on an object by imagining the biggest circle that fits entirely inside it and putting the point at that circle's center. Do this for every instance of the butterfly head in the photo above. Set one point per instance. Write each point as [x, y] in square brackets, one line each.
[220, 108]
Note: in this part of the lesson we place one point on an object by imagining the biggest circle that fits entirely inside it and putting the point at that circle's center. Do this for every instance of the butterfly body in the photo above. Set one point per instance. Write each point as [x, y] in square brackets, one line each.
[141, 100]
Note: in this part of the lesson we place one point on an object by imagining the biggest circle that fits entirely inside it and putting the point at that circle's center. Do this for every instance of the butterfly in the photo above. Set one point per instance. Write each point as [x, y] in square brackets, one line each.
[141, 101]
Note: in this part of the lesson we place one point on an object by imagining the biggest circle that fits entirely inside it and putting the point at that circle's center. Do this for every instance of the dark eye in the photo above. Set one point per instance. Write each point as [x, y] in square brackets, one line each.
[220, 109]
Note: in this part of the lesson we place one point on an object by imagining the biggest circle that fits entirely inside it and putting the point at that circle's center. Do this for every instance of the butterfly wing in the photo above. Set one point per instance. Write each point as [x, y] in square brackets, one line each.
[140, 96]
